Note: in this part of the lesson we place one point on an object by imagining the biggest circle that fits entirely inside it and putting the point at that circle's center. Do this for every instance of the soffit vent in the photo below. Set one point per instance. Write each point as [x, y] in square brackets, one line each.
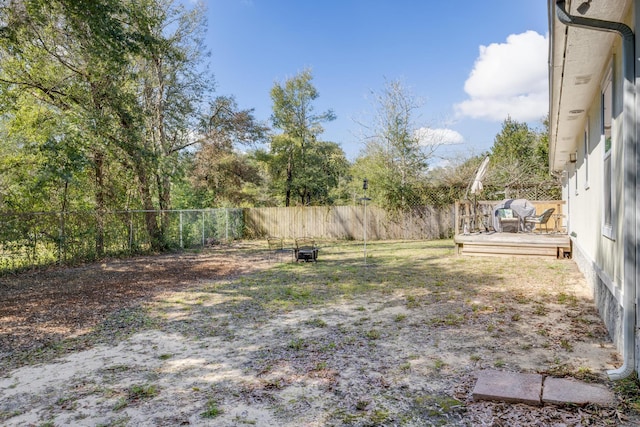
[582, 80]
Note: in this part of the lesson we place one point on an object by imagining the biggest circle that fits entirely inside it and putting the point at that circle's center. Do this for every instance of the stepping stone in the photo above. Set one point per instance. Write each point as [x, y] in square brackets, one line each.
[563, 391]
[508, 387]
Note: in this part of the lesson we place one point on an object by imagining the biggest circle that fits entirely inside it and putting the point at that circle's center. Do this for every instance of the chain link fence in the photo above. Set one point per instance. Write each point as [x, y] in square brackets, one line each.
[30, 240]
[35, 239]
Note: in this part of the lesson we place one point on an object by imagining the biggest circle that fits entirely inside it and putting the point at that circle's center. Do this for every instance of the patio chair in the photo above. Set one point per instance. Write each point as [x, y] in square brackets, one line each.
[276, 248]
[541, 219]
[305, 250]
[509, 221]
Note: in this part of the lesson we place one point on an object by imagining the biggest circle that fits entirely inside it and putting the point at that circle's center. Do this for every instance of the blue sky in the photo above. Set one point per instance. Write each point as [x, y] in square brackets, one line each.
[471, 62]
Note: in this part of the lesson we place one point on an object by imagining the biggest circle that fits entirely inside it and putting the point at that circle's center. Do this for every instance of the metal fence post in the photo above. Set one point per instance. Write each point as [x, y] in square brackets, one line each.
[130, 231]
[60, 237]
[181, 244]
[226, 224]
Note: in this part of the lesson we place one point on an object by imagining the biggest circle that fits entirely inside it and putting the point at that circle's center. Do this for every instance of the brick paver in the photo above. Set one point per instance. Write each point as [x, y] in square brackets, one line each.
[568, 391]
[508, 387]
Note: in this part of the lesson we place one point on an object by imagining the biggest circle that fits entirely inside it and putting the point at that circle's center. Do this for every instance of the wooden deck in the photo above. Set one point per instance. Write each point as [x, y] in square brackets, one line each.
[553, 245]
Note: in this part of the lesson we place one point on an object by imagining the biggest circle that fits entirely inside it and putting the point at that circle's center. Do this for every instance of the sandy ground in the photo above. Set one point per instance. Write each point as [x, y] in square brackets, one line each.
[202, 353]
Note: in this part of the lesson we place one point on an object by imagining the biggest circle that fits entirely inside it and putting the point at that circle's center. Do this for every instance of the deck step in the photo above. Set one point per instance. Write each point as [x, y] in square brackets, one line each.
[514, 244]
[505, 249]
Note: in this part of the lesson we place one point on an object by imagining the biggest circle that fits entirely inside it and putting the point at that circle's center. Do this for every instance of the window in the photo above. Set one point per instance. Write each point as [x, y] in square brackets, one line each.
[606, 108]
[575, 180]
[586, 156]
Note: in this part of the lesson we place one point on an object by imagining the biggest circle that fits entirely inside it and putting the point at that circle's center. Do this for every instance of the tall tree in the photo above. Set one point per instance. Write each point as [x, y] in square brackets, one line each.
[293, 114]
[220, 171]
[172, 89]
[395, 158]
[122, 73]
[519, 155]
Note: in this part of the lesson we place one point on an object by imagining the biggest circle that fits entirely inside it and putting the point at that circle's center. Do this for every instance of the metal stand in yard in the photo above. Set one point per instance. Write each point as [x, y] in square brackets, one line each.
[365, 185]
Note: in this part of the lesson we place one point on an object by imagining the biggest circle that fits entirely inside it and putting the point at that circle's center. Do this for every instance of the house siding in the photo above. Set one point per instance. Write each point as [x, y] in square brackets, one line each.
[599, 258]
[580, 60]
[606, 294]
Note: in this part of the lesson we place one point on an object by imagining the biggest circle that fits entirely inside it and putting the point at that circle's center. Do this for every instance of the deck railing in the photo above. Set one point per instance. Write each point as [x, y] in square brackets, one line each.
[473, 216]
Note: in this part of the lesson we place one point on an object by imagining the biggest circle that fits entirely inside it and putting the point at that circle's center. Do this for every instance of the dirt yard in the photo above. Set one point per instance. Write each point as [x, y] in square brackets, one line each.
[230, 337]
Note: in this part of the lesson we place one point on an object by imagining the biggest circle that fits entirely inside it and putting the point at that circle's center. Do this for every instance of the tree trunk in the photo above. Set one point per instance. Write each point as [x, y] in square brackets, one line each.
[98, 159]
[287, 200]
[155, 233]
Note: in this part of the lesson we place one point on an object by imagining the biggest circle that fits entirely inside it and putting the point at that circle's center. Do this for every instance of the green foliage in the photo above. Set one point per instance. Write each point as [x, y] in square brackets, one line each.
[99, 98]
[212, 410]
[628, 390]
[519, 155]
[302, 169]
[219, 174]
[519, 160]
[395, 159]
[136, 393]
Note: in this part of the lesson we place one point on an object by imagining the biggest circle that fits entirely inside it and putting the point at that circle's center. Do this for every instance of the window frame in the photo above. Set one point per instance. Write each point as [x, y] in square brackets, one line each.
[585, 147]
[607, 98]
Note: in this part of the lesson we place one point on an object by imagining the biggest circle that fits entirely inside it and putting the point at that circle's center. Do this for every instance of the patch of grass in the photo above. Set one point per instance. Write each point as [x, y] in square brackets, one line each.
[521, 298]
[450, 319]
[67, 403]
[542, 332]
[379, 417]
[565, 344]
[440, 410]
[438, 364]
[361, 405]
[566, 299]
[136, 393]
[540, 310]
[5, 415]
[405, 367]
[499, 363]
[628, 390]
[585, 373]
[373, 334]
[118, 422]
[320, 366]
[165, 356]
[297, 344]
[399, 317]
[412, 302]
[211, 410]
[559, 370]
[115, 368]
[347, 418]
[318, 323]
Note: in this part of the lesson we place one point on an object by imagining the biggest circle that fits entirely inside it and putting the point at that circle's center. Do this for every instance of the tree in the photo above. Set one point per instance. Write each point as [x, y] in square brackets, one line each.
[118, 73]
[395, 159]
[292, 151]
[219, 171]
[519, 155]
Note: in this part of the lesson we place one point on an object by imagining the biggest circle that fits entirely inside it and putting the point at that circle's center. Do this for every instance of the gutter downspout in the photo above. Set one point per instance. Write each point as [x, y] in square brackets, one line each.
[630, 202]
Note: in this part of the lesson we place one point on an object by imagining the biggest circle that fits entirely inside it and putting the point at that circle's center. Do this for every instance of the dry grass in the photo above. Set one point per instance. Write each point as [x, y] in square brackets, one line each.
[396, 342]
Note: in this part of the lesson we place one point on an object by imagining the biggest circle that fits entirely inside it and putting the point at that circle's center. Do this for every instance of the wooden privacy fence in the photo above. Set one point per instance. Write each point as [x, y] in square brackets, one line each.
[347, 222]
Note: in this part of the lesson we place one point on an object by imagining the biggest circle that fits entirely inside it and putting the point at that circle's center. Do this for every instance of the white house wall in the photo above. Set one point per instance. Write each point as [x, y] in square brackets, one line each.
[599, 257]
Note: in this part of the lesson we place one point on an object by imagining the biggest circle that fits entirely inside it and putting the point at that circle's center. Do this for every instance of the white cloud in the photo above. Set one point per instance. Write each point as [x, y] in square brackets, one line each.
[430, 137]
[509, 79]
